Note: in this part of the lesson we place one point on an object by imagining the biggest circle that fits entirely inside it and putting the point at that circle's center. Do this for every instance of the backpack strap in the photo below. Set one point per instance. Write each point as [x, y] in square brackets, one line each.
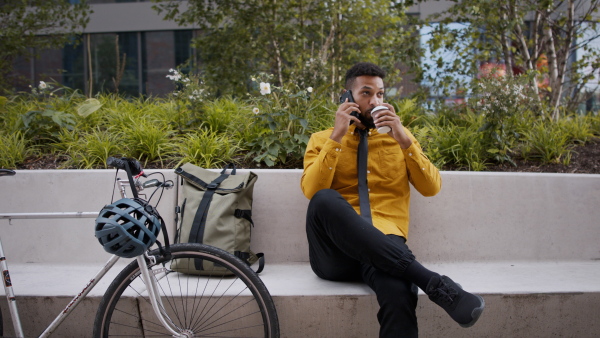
[198, 225]
[197, 232]
[251, 257]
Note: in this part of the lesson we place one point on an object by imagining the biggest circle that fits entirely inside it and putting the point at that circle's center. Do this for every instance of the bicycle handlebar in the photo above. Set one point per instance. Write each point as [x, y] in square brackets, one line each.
[7, 172]
[120, 163]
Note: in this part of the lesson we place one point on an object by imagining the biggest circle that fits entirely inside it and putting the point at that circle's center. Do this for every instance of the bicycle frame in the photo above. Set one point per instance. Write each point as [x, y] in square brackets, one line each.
[150, 282]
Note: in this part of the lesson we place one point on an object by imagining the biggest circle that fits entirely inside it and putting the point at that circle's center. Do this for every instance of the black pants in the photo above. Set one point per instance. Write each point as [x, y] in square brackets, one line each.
[344, 247]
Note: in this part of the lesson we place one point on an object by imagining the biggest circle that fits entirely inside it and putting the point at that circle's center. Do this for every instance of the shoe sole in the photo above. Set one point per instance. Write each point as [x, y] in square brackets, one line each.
[475, 314]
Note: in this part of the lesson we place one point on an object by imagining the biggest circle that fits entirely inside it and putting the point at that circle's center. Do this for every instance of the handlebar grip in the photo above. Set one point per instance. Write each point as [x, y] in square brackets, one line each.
[115, 163]
[119, 163]
[7, 172]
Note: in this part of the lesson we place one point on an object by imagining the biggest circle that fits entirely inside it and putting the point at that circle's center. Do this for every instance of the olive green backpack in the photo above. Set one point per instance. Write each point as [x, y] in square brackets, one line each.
[217, 211]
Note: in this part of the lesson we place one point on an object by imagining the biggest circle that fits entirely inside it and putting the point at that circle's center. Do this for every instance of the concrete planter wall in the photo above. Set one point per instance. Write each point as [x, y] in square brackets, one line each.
[529, 243]
[476, 216]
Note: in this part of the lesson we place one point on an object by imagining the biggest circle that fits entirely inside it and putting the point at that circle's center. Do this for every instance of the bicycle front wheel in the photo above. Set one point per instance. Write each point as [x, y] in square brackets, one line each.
[196, 306]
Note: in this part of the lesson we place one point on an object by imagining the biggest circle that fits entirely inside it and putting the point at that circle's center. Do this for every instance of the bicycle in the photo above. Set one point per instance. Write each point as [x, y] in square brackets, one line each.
[148, 298]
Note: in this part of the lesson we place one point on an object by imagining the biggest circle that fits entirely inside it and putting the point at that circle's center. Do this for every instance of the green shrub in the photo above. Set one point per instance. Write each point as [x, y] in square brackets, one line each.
[577, 127]
[148, 141]
[14, 148]
[456, 146]
[224, 114]
[284, 119]
[205, 148]
[91, 149]
[548, 142]
[507, 104]
[273, 127]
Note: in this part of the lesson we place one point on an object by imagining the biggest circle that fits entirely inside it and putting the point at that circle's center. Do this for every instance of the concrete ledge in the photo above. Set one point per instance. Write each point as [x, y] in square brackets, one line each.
[523, 299]
[527, 242]
[476, 216]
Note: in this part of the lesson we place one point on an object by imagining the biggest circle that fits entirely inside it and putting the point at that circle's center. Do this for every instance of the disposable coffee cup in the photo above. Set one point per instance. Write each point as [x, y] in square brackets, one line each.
[384, 129]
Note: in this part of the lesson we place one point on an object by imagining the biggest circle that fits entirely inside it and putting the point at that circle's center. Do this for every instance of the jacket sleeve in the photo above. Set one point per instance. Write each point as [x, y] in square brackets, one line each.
[423, 175]
[320, 161]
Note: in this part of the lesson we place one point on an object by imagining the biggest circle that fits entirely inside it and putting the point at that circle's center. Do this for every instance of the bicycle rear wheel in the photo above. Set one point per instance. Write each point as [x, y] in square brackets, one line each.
[199, 306]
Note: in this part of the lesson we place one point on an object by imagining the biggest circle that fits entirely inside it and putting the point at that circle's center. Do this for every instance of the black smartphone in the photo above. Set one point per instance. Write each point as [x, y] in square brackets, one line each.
[348, 95]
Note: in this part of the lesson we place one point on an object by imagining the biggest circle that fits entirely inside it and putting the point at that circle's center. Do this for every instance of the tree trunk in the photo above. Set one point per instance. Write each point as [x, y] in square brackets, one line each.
[506, 49]
[555, 83]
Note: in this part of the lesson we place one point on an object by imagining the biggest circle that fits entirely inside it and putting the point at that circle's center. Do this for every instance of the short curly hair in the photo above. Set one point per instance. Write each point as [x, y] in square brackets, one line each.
[360, 69]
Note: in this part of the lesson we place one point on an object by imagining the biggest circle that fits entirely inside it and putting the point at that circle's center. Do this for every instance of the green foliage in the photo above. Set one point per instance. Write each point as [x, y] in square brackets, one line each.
[148, 141]
[14, 148]
[36, 25]
[282, 118]
[578, 128]
[526, 36]
[306, 43]
[46, 123]
[90, 149]
[594, 121]
[504, 104]
[223, 114]
[272, 126]
[450, 144]
[547, 141]
[206, 149]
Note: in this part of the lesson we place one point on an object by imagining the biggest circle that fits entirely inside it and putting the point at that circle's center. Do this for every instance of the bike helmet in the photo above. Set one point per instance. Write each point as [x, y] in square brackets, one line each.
[127, 227]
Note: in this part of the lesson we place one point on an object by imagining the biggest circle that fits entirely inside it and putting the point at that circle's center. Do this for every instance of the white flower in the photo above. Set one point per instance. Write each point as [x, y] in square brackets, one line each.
[309, 89]
[255, 110]
[265, 88]
[42, 85]
[253, 79]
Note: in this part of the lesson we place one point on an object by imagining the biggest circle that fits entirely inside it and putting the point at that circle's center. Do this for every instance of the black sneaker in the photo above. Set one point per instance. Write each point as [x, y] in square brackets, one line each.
[465, 308]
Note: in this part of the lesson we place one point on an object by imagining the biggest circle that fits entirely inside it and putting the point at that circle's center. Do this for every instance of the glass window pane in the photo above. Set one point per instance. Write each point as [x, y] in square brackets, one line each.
[160, 57]
[108, 71]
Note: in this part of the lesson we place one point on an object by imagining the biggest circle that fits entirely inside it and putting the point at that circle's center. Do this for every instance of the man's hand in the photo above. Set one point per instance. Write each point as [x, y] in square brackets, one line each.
[389, 118]
[342, 120]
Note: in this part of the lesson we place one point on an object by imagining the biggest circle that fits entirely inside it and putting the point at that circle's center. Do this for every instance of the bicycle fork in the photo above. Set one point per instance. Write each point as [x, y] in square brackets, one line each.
[155, 299]
[10, 295]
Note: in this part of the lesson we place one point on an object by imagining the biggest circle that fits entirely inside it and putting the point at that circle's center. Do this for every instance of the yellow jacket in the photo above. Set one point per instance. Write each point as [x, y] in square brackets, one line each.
[331, 165]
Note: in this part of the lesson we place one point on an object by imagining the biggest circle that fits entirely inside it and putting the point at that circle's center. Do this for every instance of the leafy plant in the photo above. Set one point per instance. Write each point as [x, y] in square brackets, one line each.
[579, 128]
[548, 142]
[456, 146]
[205, 148]
[14, 148]
[47, 123]
[283, 122]
[222, 114]
[148, 141]
[91, 149]
[503, 102]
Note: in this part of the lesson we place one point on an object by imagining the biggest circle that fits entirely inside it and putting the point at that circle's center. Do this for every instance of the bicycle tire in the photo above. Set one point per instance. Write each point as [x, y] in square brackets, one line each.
[234, 306]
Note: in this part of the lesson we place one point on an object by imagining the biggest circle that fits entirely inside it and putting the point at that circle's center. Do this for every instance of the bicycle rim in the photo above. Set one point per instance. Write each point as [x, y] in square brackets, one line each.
[198, 306]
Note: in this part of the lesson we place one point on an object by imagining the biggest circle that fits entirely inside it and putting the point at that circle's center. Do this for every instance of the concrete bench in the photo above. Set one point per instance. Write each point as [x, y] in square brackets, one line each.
[529, 243]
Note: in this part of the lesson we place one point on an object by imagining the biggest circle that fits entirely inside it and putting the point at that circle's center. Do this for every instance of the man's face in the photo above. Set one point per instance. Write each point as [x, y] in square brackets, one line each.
[368, 93]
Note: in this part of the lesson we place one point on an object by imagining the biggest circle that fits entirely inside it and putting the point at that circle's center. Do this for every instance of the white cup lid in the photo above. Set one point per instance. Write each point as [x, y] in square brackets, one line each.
[378, 108]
